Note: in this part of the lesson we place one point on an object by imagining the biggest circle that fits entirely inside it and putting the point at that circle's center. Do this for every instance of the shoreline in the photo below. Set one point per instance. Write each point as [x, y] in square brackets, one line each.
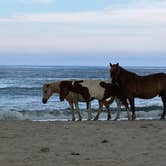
[65, 115]
[90, 143]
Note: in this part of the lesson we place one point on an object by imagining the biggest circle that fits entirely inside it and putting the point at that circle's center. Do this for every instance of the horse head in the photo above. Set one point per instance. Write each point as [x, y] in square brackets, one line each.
[114, 72]
[47, 92]
[111, 89]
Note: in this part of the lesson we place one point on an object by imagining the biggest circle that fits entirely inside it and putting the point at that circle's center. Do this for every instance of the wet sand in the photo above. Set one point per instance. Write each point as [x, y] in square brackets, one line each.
[93, 143]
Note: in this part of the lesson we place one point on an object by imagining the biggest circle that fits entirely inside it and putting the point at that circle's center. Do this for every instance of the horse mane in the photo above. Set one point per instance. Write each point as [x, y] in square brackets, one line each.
[66, 83]
[71, 86]
[134, 74]
[126, 71]
[125, 75]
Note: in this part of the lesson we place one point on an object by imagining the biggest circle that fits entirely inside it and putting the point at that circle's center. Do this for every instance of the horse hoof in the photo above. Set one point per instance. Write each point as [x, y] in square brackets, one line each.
[162, 118]
[129, 118]
[109, 117]
[96, 118]
[133, 117]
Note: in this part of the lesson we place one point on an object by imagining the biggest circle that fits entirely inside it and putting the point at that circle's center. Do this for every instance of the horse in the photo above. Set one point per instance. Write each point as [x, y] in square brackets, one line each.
[50, 88]
[73, 98]
[133, 86]
[89, 90]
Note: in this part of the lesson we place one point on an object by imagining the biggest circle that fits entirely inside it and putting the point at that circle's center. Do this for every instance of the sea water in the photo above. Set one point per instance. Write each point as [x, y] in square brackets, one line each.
[21, 92]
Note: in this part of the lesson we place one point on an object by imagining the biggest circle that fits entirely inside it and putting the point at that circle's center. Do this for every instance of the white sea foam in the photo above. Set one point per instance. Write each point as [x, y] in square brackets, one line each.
[65, 115]
[11, 115]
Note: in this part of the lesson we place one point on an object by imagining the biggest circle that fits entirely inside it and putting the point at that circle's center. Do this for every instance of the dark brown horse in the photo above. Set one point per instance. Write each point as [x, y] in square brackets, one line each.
[132, 86]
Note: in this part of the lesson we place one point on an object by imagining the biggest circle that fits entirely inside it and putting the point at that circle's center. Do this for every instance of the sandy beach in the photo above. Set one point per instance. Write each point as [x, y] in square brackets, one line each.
[87, 143]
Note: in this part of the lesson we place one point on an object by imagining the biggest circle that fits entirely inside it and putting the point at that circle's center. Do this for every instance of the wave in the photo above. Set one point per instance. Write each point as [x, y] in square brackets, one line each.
[153, 112]
[20, 87]
[11, 115]
[34, 115]
[20, 91]
[146, 109]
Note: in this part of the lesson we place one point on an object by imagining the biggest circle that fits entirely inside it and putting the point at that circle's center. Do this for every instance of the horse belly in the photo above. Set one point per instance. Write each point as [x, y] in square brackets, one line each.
[148, 90]
[97, 92]
[94, 88]
[147, 95]
[74, 97]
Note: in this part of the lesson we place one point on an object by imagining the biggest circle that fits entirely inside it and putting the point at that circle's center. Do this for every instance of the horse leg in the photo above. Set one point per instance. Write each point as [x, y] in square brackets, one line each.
[132, 104]
[128, 113]
[108, 112]
[107, 105]
[127, 109]
[119, 104]
[72, 111]
[89, 110]
[78, 111]
[99, 110]
[163, 97]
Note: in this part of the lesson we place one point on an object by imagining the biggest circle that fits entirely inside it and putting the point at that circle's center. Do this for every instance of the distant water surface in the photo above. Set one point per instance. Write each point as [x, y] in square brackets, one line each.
[21, 92]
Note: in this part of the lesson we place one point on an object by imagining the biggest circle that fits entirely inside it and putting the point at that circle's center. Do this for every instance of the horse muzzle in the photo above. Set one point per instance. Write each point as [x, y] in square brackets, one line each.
[61, 98]
[44, 101]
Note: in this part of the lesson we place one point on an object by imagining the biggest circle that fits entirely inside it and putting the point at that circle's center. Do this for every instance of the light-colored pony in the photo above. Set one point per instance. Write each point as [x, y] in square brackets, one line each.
[50, 88]
[73, 98]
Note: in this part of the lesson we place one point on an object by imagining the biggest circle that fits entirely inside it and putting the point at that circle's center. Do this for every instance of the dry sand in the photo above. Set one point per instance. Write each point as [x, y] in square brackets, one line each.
[94, 143]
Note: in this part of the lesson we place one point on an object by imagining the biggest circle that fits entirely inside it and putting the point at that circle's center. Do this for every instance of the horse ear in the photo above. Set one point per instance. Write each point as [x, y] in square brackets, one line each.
[47, 85]
[117, 64]
[110, 64]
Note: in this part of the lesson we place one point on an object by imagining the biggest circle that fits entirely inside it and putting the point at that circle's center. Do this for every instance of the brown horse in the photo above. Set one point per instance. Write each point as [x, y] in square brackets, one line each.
[132, 86]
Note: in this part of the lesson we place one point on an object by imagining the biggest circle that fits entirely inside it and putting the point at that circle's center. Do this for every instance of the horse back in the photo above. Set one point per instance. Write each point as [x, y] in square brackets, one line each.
[95, 89]
[158, 79]
[147, 86]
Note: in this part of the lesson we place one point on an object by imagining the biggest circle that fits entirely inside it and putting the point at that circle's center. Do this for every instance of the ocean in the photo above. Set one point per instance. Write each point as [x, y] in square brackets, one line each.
[21, 93]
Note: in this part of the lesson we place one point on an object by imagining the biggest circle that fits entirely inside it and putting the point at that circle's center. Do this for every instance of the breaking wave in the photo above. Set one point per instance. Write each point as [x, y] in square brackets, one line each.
[152, 112]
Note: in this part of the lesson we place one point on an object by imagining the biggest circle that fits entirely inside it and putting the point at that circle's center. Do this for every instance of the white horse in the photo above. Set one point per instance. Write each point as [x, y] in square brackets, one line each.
[85, 91]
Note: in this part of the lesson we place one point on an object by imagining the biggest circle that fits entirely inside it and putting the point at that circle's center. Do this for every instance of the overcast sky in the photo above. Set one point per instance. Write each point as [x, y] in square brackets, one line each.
[83, 32]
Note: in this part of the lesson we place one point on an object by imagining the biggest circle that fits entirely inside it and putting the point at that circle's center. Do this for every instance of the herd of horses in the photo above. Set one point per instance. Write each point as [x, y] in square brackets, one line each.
[123, 87]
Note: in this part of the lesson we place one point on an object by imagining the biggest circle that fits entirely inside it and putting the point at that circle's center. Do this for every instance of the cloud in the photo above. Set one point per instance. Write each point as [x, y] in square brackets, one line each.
[86, 44]
[131, 17]
[130, 12]
[41, 1]
[118, 29]
[36, 1]
[135, 4]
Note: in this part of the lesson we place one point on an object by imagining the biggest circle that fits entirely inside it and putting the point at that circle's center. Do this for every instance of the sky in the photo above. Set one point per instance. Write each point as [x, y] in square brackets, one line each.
[84, 32]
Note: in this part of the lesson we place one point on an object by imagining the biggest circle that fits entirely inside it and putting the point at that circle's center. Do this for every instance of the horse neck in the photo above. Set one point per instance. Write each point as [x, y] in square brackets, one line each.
[125, 76]
[55, 87]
